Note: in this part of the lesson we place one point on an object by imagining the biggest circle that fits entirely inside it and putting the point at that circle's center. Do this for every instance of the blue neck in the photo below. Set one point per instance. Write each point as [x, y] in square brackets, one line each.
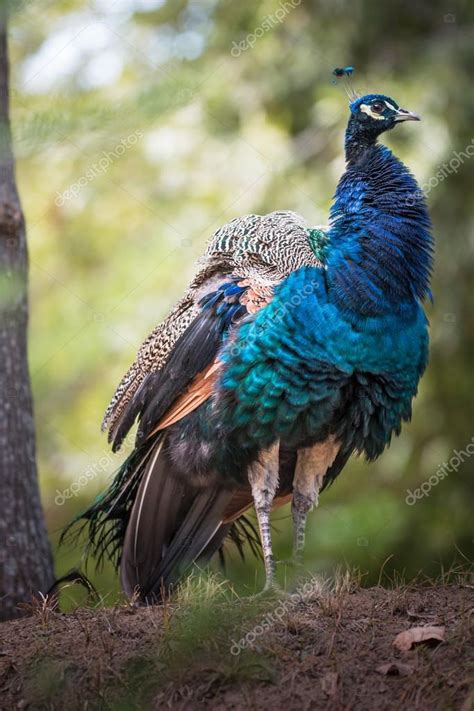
[358, 140]
[379, 255]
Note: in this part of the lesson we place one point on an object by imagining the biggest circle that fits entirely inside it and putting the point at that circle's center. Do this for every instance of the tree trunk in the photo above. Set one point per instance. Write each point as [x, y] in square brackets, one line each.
[26, 565]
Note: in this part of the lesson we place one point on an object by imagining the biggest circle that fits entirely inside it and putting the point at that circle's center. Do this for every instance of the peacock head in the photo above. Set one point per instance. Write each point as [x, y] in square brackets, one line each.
[373, 114]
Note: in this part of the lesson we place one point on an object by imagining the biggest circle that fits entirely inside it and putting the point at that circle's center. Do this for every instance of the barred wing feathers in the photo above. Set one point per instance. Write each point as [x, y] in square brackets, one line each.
[261, 251]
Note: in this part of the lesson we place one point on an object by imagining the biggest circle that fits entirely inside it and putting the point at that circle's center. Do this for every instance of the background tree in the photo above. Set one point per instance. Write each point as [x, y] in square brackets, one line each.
[26, 560]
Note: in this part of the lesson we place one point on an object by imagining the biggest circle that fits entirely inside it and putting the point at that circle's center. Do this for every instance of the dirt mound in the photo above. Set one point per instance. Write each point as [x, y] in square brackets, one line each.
[315, 649]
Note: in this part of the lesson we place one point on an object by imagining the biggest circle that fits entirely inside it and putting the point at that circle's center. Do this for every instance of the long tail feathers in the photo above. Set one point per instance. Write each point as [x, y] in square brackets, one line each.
[170, 526]
[154, 525]
[106, 520]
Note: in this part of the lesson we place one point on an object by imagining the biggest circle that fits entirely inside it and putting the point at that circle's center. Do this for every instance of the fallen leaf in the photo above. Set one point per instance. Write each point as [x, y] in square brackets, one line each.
[395, 669]
[329, 683]
[415, 635]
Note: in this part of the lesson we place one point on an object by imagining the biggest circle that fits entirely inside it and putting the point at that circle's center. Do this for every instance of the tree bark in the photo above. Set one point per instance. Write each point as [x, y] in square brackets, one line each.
[26, 565]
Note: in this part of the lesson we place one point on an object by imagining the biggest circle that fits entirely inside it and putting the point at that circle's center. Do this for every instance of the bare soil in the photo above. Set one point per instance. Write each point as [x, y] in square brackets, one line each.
[318, 651]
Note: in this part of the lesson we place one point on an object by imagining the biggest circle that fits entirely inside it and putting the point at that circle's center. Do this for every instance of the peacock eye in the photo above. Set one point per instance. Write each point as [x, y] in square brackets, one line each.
[378, 107]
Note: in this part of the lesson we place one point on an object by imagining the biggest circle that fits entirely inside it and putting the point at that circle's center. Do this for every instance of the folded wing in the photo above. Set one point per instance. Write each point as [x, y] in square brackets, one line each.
[257, 251]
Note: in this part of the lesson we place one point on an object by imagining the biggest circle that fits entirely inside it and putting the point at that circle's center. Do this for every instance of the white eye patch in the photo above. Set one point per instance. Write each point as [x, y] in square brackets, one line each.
[367, 110]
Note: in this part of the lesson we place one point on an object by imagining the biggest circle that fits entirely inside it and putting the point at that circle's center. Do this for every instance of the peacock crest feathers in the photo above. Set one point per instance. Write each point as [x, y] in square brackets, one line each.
[345, 74]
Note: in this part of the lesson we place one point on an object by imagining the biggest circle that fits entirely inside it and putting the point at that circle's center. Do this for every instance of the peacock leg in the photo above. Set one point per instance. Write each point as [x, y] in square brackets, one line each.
[311, 466]
[263, 478]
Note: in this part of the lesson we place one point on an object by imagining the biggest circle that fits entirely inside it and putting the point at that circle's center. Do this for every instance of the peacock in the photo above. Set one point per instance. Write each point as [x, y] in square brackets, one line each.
[292, 349]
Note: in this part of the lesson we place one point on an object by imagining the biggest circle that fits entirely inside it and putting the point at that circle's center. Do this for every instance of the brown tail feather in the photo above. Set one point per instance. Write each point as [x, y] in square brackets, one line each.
[171, 525]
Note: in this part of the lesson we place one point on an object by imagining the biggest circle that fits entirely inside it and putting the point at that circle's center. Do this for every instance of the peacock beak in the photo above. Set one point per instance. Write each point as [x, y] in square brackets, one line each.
[404, 115]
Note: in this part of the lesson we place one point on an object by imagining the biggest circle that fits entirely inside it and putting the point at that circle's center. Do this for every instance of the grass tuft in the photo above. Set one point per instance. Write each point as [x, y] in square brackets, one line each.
[200, 626]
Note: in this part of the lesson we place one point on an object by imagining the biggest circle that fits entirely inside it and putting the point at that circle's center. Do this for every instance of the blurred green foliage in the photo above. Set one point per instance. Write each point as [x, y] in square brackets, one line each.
[141, 126]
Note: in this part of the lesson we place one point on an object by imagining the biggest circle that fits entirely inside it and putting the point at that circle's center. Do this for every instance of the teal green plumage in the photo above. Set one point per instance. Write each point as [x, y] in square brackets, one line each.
[318, 240]
[301, 359]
